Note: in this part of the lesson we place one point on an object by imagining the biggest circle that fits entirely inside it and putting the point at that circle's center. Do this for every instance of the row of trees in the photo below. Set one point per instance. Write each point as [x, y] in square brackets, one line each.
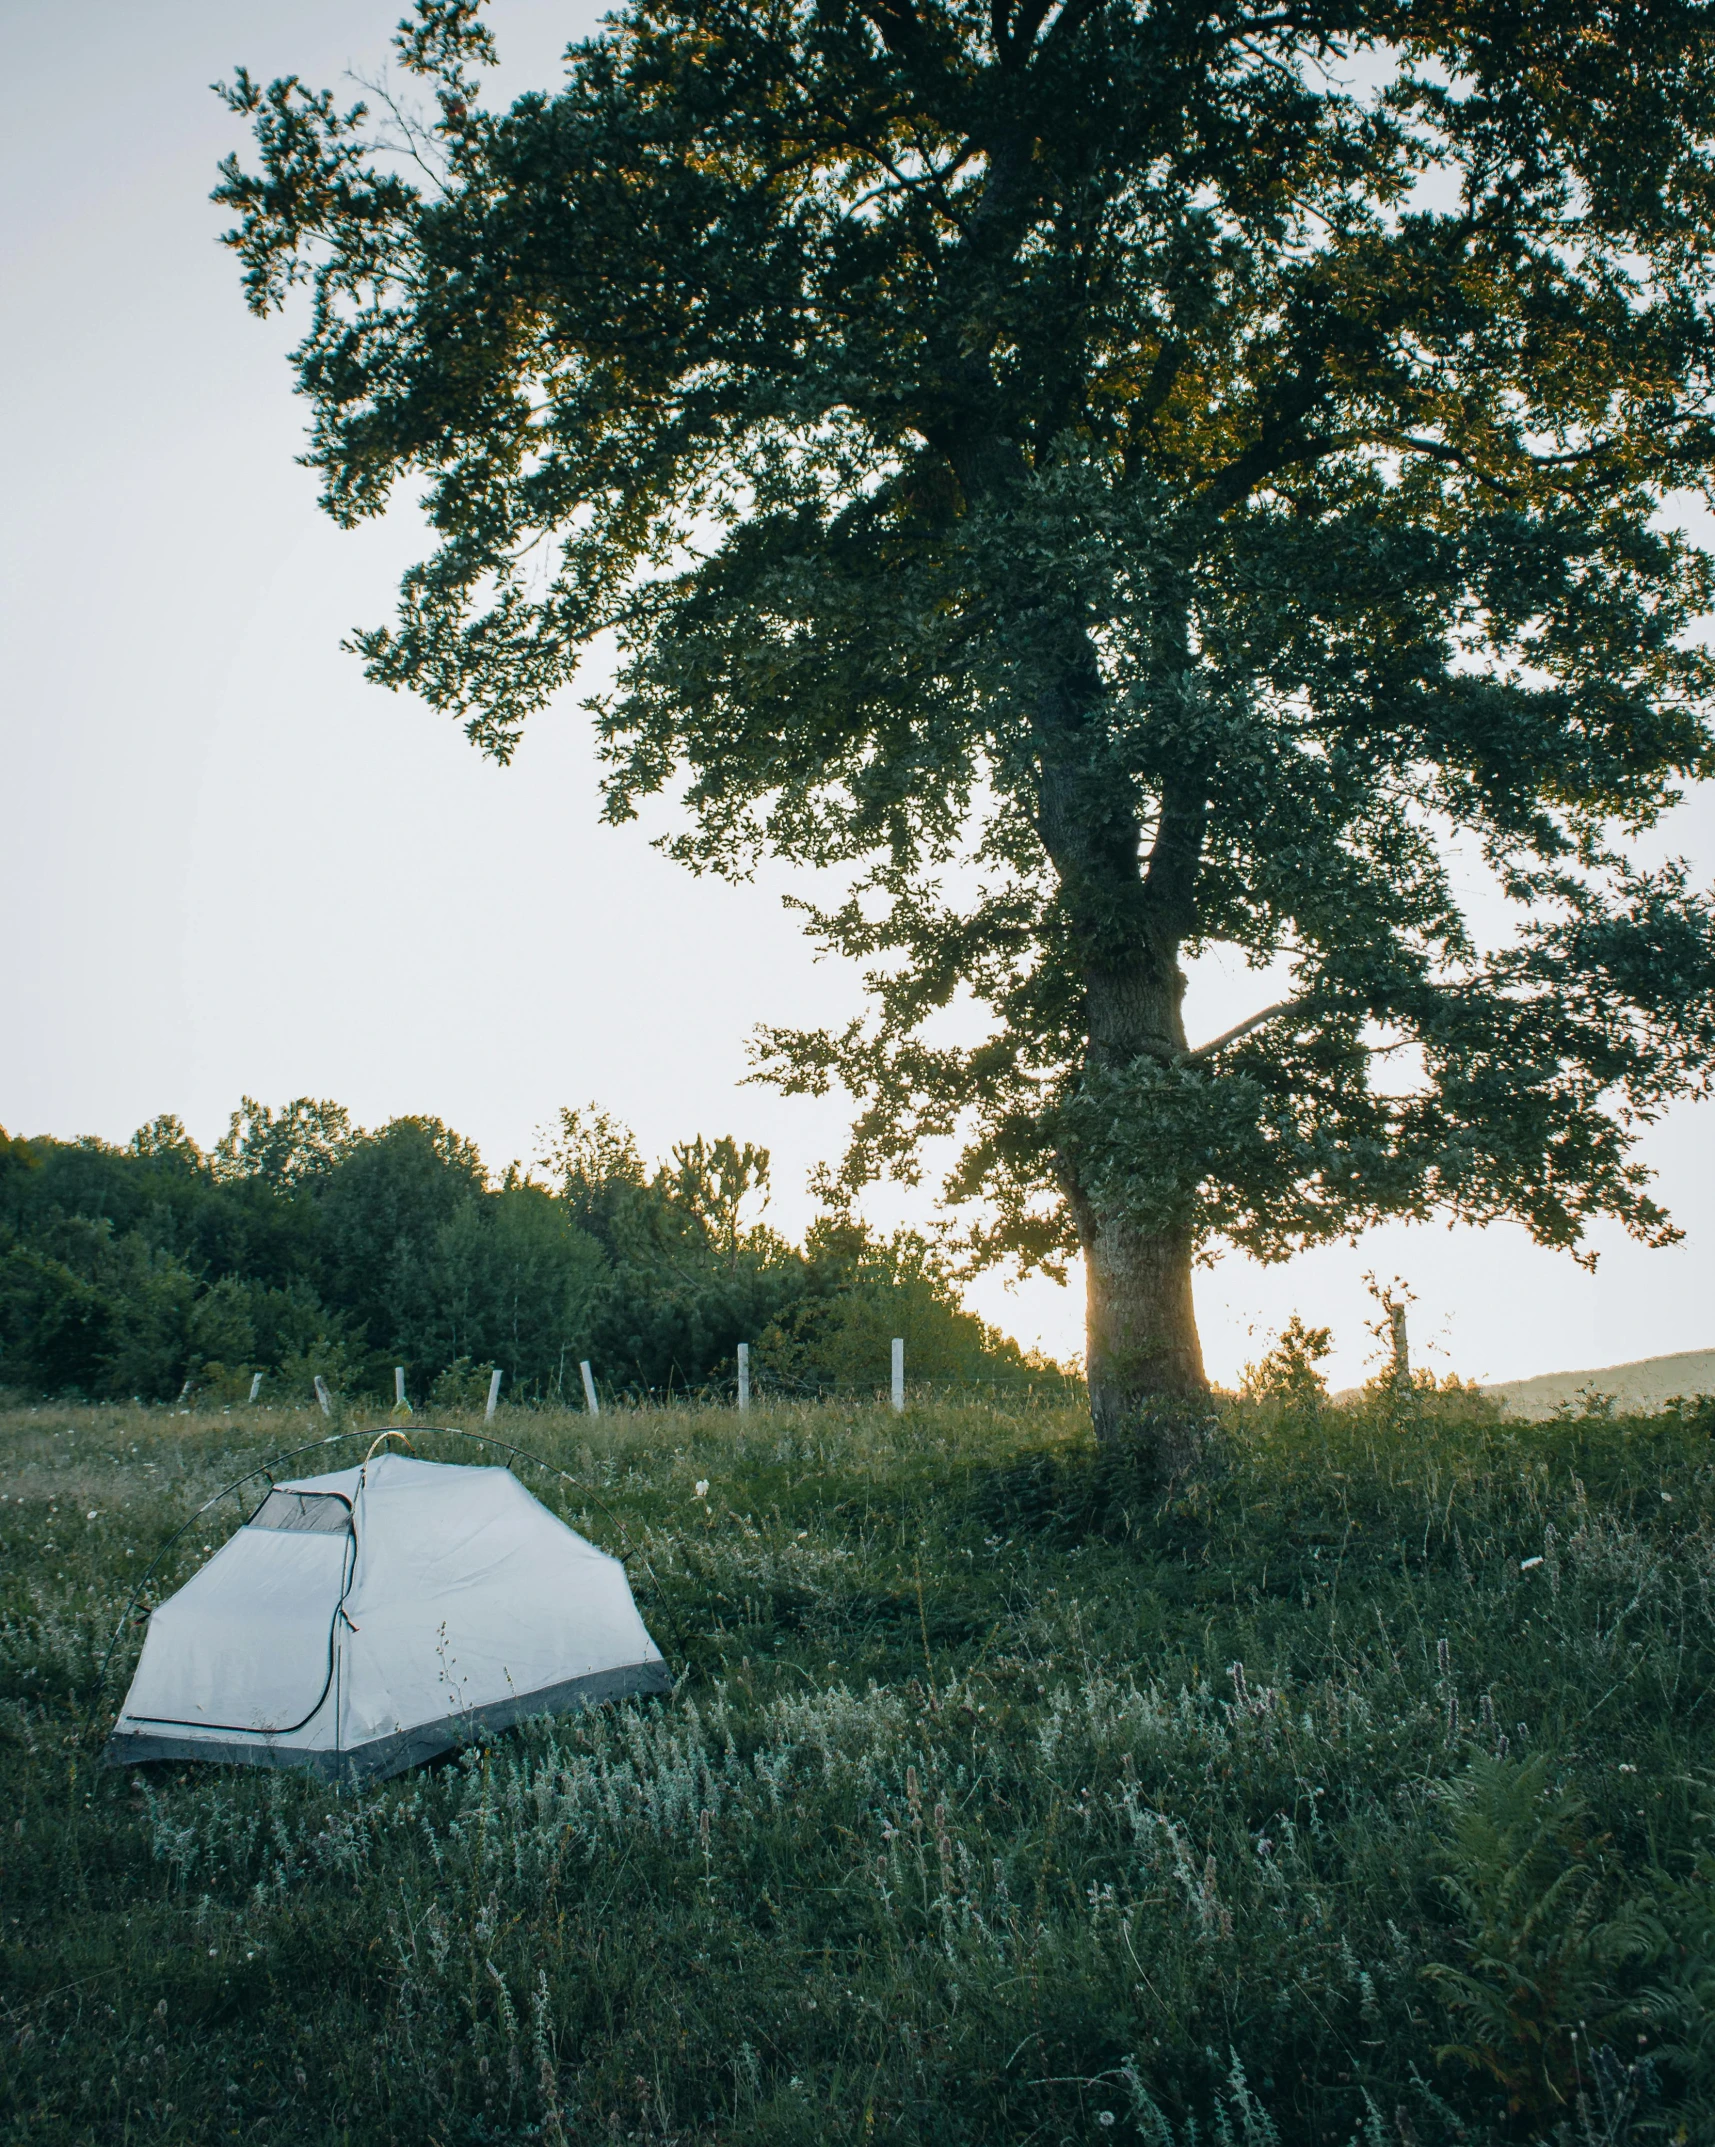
[304, 1244]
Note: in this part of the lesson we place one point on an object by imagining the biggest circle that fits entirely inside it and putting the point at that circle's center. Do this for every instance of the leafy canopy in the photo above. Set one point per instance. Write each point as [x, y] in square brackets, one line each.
[1110, 480]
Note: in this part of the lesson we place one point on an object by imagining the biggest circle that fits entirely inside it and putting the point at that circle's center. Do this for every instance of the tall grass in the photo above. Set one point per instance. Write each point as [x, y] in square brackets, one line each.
[1360, 1798]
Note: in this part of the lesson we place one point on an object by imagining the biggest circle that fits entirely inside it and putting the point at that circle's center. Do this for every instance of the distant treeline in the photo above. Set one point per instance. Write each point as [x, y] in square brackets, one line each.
[304, 1244]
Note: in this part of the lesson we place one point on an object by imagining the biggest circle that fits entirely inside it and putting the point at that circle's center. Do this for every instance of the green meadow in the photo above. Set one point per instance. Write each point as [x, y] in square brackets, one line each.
[1363, 1795]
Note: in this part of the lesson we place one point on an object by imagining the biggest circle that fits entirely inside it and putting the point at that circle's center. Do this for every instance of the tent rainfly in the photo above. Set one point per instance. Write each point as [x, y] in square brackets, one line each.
[364, 1621]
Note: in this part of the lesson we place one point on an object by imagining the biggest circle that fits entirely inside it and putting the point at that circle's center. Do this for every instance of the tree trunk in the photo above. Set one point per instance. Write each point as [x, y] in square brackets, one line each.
[1144, 1362]
[1143, 1359]
[1140, 1325]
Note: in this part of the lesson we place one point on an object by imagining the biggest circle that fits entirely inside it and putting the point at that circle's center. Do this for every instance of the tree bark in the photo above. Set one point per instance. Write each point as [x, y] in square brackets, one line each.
[1143, 1359]
[1142, 1356]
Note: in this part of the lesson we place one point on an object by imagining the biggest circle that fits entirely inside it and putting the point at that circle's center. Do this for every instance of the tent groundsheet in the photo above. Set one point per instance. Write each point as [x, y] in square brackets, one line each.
[364, 1621]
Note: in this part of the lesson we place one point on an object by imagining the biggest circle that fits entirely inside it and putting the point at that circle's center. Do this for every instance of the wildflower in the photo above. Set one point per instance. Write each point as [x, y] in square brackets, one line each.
[702, 1487]
[1104, 2118]
[93, 1515]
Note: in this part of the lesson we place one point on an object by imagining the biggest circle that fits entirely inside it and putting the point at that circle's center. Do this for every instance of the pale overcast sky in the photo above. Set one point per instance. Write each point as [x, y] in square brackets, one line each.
[233, 867]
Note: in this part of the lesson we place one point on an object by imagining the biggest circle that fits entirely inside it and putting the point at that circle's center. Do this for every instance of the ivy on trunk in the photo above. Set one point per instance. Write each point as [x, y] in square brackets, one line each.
[1103, 481]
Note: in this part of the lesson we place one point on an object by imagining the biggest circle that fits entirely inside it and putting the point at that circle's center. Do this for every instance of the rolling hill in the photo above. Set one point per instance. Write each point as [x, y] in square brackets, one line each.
[1643, 1385]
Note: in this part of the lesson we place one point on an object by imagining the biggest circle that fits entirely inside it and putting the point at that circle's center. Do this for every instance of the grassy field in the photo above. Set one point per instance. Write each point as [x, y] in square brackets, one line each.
[1363, 1797]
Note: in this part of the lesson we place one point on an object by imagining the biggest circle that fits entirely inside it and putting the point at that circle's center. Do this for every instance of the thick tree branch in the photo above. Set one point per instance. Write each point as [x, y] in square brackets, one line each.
[1239, 1028]
[1163, 1047]
[1170, 879]
[899, 27]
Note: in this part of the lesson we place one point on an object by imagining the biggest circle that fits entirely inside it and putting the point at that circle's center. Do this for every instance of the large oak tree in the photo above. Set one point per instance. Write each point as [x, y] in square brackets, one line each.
[1116, 478]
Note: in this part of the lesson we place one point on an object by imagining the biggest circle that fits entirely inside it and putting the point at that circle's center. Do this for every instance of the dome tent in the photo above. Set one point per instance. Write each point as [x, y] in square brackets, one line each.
[363, 1621]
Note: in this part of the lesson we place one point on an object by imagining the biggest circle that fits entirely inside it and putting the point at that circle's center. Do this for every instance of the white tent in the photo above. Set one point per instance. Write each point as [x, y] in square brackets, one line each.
[363, 1621]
